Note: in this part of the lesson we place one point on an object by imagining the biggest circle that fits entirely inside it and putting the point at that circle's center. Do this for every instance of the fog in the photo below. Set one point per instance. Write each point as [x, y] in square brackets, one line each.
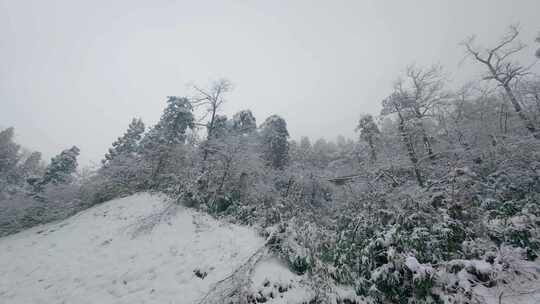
[76, 72]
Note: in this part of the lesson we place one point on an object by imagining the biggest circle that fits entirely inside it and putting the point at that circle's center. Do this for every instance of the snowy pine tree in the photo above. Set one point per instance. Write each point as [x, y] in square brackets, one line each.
[171, 129]
[244, 122]
[128, 143]
[222, 126]
[369, 132]
[274, 136]
[61, 168]
[169, 132]
[9, 155]
[31, 168]
[175, 120]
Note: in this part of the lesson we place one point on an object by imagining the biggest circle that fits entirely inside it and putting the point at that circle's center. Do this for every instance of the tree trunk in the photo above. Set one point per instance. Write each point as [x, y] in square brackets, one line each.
[410, 152]
[161, 161]
[210, 131]
[372, 149]
[425, 138]
[517, 107]
[427, 144]
[224, 176]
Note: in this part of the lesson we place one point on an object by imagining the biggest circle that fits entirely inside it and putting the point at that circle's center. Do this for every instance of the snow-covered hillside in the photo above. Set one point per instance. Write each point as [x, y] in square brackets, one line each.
[111, 254]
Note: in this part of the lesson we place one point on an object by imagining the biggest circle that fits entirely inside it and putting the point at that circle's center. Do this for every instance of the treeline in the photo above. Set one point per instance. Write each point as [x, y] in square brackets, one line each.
[32, 192]
[439, 194]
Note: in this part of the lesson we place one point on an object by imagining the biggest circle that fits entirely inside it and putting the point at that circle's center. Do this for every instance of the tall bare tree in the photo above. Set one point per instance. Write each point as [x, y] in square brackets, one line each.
[502, 69]
[212, 99]
[421, 91]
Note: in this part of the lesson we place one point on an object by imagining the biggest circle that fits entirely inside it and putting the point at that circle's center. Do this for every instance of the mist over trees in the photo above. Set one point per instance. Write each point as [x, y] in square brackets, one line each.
[442, 185]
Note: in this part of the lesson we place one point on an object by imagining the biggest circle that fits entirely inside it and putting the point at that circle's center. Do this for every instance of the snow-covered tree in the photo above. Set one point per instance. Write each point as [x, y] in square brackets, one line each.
[127, 143]
[171, 129]
[212, 99]
[369, 131]
[61, 168]
[9, 154]
[421, 91]
[505, 71]
[305, 143]
[31, 168]
[275, 145]
[399, 103]
[175, 120]
[302, 152]
[123, 169]
[169, 132]
[221, 127]
[244, 122]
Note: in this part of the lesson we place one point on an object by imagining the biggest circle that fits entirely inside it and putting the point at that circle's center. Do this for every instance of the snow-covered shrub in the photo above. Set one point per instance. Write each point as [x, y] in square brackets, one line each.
[23, 210]
[122, 176]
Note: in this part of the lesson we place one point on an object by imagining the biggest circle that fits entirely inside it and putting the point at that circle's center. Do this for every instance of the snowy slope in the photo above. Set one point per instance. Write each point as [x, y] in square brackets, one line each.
[99, 256]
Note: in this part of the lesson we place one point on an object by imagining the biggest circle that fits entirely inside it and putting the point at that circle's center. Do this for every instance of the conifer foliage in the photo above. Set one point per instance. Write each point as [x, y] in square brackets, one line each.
[369, 131]
[61, 168]
[9, 155]
[128, 143]
[274, 140]
[244, 122]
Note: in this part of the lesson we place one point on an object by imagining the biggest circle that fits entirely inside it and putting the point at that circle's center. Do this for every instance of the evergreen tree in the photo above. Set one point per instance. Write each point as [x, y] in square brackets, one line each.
[244, 122]
[305, 150]
[31, 167]
[61, 168]
[171, 128]
[175, 120]
[9, 156]
[128, 143]
[369, 132]
[8, 151]
[167, 133]
[305, 143]
[221, 127]
[274, 136]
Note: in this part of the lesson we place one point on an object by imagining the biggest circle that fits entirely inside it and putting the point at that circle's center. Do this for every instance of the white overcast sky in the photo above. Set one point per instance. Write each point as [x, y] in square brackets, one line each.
[76, 72]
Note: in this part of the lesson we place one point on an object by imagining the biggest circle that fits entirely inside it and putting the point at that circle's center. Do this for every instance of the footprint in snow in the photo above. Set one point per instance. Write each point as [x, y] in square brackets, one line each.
[106, 242]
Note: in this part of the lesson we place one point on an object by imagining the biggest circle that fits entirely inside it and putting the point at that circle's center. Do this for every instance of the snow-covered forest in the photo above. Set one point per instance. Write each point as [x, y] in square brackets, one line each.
[436, 200]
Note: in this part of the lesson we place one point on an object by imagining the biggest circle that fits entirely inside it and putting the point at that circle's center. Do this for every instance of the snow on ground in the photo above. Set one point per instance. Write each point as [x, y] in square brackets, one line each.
[528, 294]
[95, 257]
[274, 282]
